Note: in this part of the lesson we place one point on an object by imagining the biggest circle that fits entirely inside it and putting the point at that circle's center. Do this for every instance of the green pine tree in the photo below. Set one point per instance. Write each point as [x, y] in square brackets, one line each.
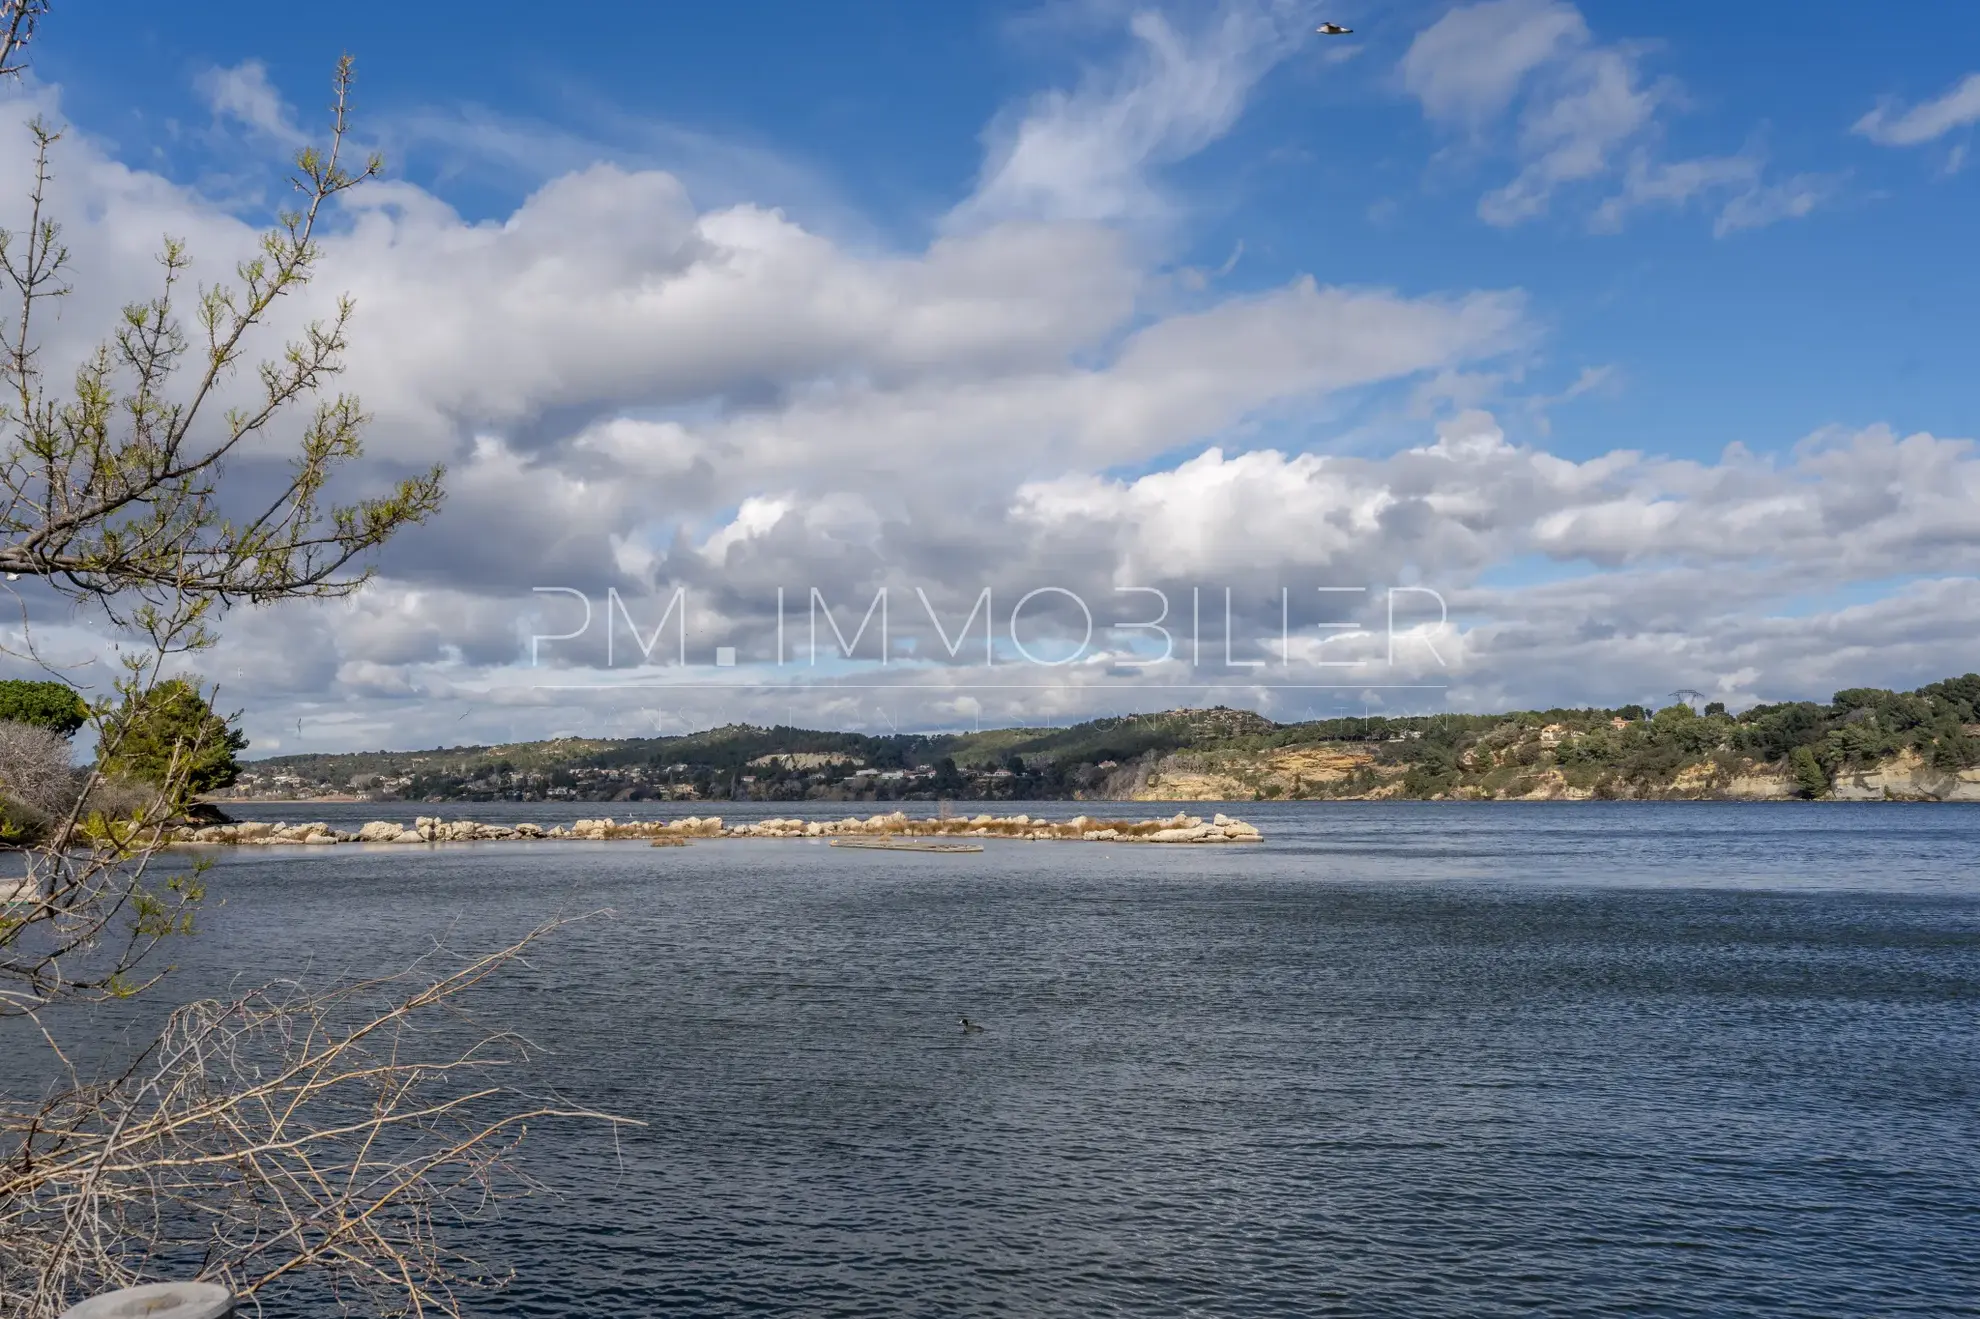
[172, 736]
[1810, 779]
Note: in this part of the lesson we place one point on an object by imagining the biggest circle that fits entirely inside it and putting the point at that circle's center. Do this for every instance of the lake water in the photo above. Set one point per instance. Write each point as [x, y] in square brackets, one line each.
[1401, 1059]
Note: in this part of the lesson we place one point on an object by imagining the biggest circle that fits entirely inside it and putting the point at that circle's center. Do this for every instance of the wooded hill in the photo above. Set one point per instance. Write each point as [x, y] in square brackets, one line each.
[1864, 742]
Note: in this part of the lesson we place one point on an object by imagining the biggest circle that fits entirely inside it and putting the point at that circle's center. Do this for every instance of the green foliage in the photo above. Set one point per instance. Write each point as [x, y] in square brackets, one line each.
[1857, 698]
[1954, 750]
[111, 474]
[1770, 732]
[948, 778]
[171, 736]
[1436, 770]
[1810, 779]
[52, 705]
[1422, 755]
[19, 826]
[1961, 695]
[1599, 747]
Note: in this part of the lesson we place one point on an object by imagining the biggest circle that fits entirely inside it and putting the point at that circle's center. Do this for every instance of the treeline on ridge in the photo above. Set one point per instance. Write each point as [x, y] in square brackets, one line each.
[1627, 751]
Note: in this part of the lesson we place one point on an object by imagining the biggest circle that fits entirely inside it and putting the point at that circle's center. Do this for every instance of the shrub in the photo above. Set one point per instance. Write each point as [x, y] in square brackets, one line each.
[52, 705]
[172, 724]
[37, 782]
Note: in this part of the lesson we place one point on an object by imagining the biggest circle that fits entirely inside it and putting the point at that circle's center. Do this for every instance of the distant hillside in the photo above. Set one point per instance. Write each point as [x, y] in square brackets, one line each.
[1863, 743]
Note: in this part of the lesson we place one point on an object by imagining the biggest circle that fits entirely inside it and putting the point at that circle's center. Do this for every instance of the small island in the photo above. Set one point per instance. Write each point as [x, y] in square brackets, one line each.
[1179, 828]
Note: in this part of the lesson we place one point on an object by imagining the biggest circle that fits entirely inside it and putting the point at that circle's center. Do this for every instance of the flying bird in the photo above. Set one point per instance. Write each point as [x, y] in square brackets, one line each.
[1333, 30]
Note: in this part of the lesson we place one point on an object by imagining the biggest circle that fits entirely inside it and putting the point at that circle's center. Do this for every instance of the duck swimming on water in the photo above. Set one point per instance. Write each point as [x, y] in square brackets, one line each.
[969, 1026]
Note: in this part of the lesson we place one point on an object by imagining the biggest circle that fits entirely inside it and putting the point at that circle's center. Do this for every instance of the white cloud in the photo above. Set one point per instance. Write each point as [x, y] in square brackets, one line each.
[1088, 154]
[642, 391]
[1570, 137]
[244, 94]
[610, 367]
[1467, 66]
[1760, 206]
[1649, 182]
[1927, 121]
[1744, 199]
[1852, 505]
[1743, 576]
[1583, 109]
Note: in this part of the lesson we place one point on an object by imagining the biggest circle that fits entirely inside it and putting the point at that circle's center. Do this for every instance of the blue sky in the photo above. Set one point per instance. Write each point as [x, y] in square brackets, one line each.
[1861, 312]
[1563, 235]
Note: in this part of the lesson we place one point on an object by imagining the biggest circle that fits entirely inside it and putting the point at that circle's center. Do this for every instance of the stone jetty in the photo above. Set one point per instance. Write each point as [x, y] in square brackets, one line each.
[1179, 828]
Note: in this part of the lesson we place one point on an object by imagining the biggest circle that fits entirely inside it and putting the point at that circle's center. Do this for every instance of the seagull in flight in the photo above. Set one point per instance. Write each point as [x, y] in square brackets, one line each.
[1333, 30]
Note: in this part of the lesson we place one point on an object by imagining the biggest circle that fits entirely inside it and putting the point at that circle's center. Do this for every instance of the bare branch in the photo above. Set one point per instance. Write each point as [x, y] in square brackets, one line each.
[284, 1140]
[115, 495]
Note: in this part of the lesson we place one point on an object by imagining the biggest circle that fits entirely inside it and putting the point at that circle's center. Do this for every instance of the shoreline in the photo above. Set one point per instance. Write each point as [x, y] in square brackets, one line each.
[1179, 828]
[222, 803]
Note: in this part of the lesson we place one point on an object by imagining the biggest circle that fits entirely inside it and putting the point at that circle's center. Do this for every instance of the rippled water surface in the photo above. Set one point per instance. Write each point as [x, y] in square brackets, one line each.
[1399, 1059]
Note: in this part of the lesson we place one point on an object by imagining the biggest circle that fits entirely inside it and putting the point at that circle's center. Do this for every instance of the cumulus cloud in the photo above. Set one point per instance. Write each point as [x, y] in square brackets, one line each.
[1852, 505]
[1612, 578]
[1732, 577]
[646, 397]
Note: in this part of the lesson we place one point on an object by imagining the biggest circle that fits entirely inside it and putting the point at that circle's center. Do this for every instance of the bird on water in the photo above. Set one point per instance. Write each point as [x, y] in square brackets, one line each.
[1333, 30]
[969, 1026]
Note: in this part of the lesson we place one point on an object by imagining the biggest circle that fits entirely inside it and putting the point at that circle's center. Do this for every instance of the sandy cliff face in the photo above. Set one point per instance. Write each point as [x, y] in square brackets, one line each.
[1292, 772]
[1758, 785]
[1907, 777]
[1348, 773]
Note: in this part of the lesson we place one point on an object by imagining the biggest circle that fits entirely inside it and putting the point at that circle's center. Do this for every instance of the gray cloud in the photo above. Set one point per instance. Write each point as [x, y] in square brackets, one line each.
[637, 393]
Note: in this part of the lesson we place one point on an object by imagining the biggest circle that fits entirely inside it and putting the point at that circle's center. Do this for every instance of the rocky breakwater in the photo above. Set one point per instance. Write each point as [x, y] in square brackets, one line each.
[1080, 829]
[1179, 828]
